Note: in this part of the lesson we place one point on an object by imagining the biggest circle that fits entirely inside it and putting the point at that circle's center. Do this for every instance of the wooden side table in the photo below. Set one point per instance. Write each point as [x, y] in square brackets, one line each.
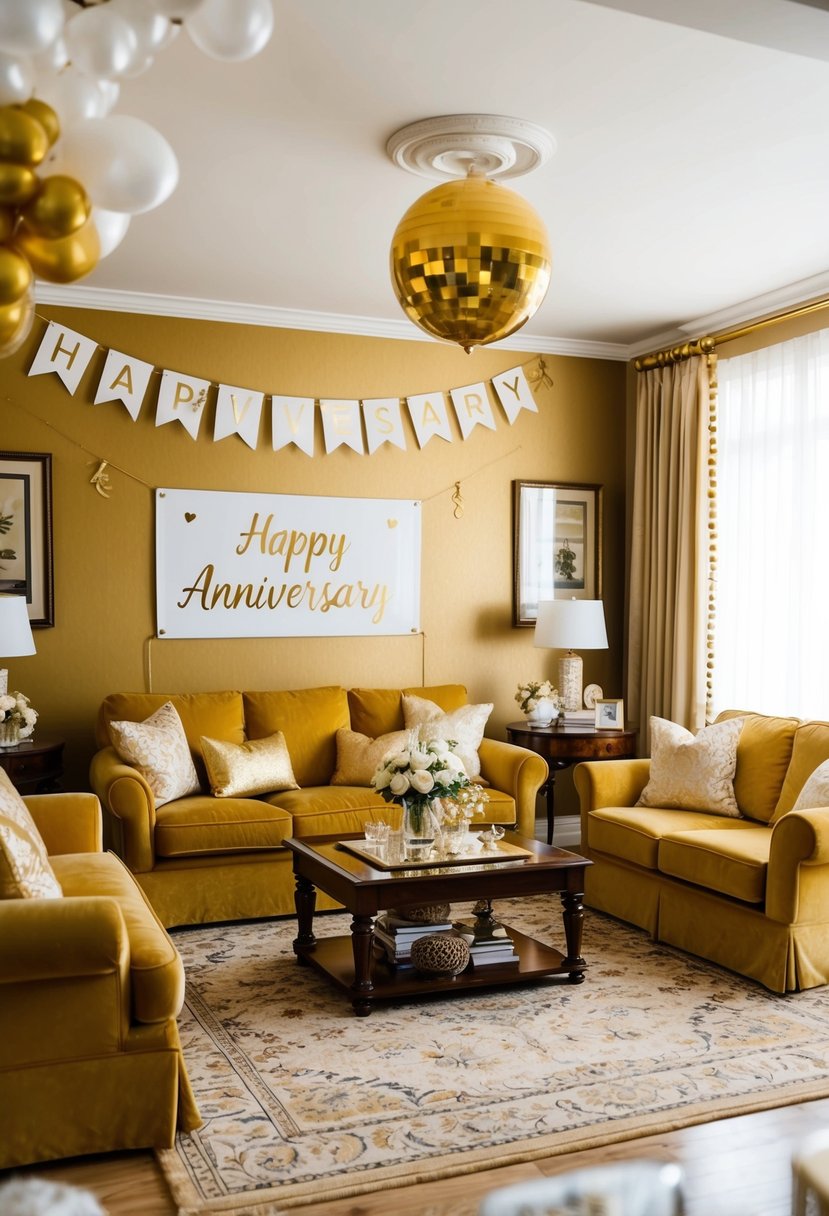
[35, 766]
[564, 744]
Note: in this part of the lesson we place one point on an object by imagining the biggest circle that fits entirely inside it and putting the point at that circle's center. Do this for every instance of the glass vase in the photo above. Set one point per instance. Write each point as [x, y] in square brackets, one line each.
[419, 830]
[9, 733]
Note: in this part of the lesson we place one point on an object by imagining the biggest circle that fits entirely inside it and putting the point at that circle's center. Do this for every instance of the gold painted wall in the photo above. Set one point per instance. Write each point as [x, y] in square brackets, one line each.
[104, 548]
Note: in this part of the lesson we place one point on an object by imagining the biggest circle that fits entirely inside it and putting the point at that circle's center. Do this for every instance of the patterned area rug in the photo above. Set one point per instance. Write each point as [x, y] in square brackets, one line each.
[303, 1102]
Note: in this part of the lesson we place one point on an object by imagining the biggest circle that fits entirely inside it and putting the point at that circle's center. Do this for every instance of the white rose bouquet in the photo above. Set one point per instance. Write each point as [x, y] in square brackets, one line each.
[528, 695]
[422, 772]
[14, 707]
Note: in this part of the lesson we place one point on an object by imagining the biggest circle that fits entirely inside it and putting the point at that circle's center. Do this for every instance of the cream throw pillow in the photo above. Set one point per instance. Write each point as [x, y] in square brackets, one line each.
[158, 748]
[693, 772]
[816, 790]
[359, 756]
[25, 872]
[243, 770]
[465, 725]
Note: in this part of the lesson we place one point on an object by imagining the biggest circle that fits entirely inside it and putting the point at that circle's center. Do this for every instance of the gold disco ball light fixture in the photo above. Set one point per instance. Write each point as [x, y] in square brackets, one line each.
[470, 259]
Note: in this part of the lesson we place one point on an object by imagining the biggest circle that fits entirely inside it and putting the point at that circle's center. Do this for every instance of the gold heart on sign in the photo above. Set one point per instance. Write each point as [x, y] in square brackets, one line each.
[189, 516]
[391, 523]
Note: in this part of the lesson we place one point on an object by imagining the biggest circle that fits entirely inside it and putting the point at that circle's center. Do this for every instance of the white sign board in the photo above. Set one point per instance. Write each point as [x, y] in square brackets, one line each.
[282, 565]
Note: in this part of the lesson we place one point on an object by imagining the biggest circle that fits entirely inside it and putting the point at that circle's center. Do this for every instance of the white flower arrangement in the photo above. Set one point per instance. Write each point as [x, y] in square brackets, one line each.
[15, 707]
[422, 772]
[528, 695]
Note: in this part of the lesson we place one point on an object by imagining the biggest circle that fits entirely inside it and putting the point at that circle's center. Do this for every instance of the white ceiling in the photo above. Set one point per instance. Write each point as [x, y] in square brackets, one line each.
[691, 173]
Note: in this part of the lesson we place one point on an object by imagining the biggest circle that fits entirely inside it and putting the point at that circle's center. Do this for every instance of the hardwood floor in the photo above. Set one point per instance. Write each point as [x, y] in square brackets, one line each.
[733, 1167]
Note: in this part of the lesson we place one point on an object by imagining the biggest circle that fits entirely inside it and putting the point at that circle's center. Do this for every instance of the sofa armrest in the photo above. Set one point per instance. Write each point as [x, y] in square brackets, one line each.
[68, 823]
[51, 939]
[608, 783]
[515, 771]
[797, 881]
[127, 797]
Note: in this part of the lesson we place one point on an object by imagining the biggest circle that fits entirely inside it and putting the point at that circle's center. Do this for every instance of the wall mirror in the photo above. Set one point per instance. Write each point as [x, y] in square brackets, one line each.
[557, 544]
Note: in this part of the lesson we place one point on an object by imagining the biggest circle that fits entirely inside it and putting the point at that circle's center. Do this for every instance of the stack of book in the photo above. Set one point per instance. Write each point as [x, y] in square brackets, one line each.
[396, 935]
[488, 944]
[580, 715]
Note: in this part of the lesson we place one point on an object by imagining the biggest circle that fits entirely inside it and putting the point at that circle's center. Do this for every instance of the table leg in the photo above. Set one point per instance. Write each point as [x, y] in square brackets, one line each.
[573, 913]
[305, 901]
[549, 788]
[362, 944]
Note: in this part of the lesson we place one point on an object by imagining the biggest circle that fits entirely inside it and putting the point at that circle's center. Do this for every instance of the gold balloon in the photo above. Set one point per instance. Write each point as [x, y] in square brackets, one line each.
[8, 219]
[18, 183]
[59, 208]
[16, 323]
[470, 262]
[23, 140]
[62, 260]
[15, 275]
[45, 115]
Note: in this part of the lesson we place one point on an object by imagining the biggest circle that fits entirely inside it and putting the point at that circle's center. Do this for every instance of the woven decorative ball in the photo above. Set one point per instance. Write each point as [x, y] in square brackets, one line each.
[440, 954]
[424, 914]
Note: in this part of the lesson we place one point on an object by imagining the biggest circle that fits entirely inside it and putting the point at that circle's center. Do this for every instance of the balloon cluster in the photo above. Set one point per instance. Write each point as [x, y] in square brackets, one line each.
[72, 173]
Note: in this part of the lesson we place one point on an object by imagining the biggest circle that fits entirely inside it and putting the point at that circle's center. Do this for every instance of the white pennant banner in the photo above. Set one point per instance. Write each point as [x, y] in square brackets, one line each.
[292, 421]
[238, 412]
[384, 423]
[341, 425]
[124, 379]
[514, 393]
[65, 353]
[472, 408]
[429, 417]
[181, 399]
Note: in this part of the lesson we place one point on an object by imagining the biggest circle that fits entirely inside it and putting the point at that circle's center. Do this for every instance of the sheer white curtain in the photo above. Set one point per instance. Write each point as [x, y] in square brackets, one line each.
[771, 649]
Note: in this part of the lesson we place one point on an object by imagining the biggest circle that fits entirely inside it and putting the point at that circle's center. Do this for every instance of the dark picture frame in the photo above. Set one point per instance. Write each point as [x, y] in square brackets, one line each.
[26, 561]
[557, 544]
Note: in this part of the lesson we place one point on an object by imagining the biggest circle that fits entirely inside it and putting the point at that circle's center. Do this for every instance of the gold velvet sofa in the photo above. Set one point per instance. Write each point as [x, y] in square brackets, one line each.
[205, 859]
[90, 988]
[750, 893]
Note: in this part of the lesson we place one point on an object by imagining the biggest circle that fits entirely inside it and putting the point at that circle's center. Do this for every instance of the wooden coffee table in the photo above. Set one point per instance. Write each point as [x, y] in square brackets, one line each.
[323, 863]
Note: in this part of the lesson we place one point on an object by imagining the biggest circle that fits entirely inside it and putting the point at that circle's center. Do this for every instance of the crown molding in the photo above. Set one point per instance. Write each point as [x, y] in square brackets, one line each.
[108, 300]
[770, 302]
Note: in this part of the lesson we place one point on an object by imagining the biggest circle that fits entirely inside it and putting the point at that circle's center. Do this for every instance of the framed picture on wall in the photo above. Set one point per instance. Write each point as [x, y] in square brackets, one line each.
[557, 545]
[26, 532]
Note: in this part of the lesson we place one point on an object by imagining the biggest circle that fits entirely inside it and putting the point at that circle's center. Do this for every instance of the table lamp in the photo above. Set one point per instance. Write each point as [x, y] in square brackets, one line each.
[565, 625]
[15, 633]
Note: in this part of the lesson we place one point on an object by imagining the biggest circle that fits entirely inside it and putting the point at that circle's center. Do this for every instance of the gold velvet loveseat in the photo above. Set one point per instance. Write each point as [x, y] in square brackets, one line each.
[203, 858]
[749, 892]
[90, 988]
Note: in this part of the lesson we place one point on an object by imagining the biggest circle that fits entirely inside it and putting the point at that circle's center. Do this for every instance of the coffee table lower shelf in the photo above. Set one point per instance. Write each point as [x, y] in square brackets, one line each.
[334, 957]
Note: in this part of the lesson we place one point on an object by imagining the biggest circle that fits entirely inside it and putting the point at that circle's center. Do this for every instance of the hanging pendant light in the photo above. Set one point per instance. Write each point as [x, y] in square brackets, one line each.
[470, 259]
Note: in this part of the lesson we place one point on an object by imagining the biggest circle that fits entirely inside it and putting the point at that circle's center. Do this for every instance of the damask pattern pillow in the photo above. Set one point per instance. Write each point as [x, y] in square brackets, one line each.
[25, 872]
[243, 770]
[359, 756]
[465, 725]
[816, 790]
[693, 772]
[158, 748]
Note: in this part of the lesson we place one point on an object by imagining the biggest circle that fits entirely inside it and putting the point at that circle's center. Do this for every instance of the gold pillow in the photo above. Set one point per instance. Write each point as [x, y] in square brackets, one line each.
[24, 863]
[359, 756]
[693, 772]
[243, 770]
[158, 748]
[465, 726]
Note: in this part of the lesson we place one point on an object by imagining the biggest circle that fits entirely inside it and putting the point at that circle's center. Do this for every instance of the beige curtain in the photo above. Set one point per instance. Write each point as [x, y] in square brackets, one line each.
[668, 611]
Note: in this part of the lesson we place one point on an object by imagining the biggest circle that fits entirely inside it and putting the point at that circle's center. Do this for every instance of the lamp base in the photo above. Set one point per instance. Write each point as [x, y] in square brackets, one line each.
[570, 677]
[4, 681]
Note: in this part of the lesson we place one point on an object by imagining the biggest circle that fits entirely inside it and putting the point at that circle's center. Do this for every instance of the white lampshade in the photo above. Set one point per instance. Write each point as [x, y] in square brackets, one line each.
[15, 631]
[571, 625]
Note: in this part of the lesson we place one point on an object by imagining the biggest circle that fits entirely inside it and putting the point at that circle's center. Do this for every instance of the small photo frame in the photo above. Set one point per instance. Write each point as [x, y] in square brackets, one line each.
[610, 713]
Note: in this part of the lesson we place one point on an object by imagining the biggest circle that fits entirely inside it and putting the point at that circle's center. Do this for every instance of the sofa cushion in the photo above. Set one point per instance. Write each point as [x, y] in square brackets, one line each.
[309, 718]
[693, 772]
[25, 872]
[633, 833]
[764, 750]
[465, 726]
[158, 748]
[194, 826]
[243, 770]
[732, 862]
[815, 792]
[359, 757]
[377, 711]
[218, 715]
[811, 748]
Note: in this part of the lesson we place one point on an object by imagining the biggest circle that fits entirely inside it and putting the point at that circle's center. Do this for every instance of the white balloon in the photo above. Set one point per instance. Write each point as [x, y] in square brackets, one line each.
[138, 67]
[16, 79]
[124, 163]
[112, 228]
[74, 96]
[176, 8]
[29, 26]
[109, 91]
[52, 59]
[150, 28]
[100, 42]
[231, 29]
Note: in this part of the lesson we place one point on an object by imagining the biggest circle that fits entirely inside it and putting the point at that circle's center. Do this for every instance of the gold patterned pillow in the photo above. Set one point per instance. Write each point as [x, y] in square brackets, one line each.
[359, 756]
[25, 872]
[465, 725]
[693, 772]
[158, 748]
[243, 770]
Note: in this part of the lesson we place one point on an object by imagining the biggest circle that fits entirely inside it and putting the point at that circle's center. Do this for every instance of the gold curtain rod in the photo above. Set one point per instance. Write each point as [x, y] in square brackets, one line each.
[704, 346]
